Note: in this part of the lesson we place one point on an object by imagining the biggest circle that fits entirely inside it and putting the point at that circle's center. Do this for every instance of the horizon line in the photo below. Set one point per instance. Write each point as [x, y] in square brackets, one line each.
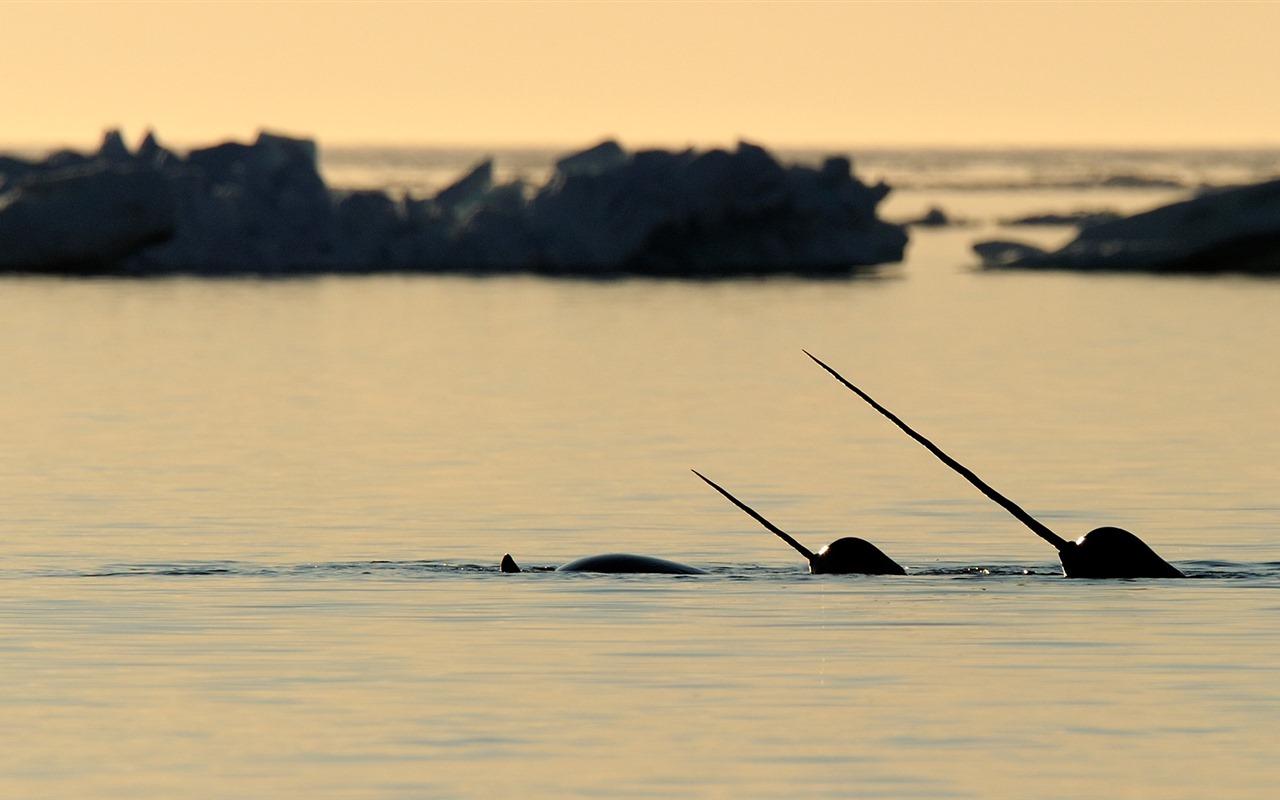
[88, 144]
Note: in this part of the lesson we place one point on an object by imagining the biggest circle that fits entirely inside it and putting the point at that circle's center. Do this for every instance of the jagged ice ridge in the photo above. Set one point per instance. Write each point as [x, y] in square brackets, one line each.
[263, 208]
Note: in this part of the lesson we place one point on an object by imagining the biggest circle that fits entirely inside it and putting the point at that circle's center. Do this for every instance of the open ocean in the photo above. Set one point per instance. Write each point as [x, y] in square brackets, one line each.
[251, 528]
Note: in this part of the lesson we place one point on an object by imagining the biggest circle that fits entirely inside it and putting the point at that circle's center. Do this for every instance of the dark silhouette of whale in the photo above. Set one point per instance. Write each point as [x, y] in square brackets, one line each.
[1101, 553]
[847, 556]
[617, 563]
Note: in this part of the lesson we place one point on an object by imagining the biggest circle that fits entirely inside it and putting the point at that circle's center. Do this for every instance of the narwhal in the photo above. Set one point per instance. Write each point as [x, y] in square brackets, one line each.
[1101, 553]
[846, 556]
[849, 555]
[614, 563]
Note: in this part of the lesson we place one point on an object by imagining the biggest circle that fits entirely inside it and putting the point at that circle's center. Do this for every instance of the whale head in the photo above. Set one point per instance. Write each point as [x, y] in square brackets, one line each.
[851, 555]
[1113, 553]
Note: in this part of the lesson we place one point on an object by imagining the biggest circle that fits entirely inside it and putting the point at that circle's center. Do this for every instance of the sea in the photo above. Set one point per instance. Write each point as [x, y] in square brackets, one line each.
[251, 529]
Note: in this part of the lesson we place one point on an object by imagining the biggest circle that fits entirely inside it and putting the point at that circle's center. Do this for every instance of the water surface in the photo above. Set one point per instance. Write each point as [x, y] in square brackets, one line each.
[252, 529]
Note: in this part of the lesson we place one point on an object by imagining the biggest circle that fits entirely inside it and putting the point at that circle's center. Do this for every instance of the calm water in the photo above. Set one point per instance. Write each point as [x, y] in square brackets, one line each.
[251, 532]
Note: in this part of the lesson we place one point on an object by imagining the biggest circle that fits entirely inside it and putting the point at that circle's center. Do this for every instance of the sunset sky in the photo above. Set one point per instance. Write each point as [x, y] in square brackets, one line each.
[564, 73]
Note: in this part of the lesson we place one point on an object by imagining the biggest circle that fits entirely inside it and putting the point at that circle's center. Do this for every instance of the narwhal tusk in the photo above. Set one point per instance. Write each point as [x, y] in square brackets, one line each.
[1037, 527]
[786, 537]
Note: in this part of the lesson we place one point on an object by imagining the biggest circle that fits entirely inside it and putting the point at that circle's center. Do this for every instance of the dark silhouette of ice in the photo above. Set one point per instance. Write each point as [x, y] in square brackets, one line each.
[85, 217]
[1074, 219]
[935, 217]
[263, 208]
[1223, 230]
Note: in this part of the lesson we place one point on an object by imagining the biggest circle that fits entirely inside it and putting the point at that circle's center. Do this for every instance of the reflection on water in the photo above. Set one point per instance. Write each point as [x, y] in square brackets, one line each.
[251, 536]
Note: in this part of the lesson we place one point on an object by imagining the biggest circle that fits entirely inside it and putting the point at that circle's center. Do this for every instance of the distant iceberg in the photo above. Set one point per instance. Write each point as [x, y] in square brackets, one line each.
[263, 208]
[1223, 230]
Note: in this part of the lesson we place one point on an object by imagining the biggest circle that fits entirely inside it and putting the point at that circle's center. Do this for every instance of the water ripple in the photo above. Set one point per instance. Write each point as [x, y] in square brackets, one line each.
[427, 568]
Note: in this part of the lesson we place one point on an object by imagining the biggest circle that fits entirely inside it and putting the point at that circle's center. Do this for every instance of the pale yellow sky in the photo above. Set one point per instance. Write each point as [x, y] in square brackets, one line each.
[566, 73]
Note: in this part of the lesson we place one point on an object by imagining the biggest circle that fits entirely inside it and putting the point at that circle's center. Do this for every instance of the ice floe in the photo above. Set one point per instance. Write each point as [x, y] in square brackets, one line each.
[1233, 229]
[263, 208]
